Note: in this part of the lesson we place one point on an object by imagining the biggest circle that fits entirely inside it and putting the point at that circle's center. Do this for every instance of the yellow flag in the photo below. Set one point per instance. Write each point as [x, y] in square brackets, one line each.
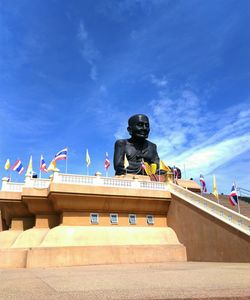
[52, 166]
[126, 163]
[7, 165]
[87, 158]
[215, 192]
[30, 167]
[150, 169]
[164, 167]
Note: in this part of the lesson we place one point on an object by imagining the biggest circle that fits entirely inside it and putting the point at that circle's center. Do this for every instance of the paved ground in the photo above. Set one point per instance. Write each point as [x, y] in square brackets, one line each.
[141, 281]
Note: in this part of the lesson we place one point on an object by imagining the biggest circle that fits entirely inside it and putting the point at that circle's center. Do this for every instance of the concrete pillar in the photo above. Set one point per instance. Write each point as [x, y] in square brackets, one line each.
[28, 181]
[5, 181]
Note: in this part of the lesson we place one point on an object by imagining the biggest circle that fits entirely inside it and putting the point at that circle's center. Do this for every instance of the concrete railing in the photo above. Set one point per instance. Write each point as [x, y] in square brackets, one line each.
[107, 181]
[38, 183]
[82, 180]
[238, 221]
[11, 186]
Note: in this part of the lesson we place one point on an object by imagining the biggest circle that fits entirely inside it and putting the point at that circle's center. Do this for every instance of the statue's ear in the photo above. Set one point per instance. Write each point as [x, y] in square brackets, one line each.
[129, 130]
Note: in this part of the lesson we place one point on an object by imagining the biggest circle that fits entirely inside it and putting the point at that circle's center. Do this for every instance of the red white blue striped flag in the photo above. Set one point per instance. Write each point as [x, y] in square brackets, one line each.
[61, 155]
[43, 166]
[203, 184]
[175, 171]
[18, 167]
[107, 162]
[143, 166]
[233, 197]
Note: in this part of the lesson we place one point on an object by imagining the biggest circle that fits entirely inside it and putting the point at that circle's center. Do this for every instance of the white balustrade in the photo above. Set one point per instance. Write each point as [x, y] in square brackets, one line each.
[152, 185]
[226, 215]
[108, 181]
[40, 183]
[117, 182]
[12, 187]
[73, 179]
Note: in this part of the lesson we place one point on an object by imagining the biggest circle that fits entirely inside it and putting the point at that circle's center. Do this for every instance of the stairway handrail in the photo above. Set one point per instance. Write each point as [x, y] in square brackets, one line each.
[240, 188]
[228, 216]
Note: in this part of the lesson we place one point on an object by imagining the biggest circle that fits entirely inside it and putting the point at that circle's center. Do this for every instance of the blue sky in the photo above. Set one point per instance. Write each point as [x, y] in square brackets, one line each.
[72, 72]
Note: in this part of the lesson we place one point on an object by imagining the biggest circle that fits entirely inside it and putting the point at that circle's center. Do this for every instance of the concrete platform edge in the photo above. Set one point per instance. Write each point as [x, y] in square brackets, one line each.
[90, 255]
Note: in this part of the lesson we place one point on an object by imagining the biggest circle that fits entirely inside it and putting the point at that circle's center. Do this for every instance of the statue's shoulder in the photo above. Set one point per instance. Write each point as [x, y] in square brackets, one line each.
[122, 142]
[150, 144]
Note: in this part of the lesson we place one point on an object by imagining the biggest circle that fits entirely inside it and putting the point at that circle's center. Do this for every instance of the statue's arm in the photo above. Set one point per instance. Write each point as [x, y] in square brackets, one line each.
[156, 158]
[119, 156]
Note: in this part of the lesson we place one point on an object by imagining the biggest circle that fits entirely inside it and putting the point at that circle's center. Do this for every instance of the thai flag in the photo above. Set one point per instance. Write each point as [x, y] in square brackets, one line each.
[233, 198]
[175, 171]
[107, 162]
[61, 155]
[143, 166]
[18, 167]
[43, 166]
[203, 184]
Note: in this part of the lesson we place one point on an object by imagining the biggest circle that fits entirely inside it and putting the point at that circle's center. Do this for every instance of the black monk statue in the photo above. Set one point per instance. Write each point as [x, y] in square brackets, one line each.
[137, 149]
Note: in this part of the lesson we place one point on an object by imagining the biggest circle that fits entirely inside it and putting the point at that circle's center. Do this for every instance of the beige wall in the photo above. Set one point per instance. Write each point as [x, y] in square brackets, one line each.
[75, 256]
[93, 203]
[47, 208]
[83, 219]
[47, 221]
[1, 222]
[22, 223]
[12, 207]
[206, 238]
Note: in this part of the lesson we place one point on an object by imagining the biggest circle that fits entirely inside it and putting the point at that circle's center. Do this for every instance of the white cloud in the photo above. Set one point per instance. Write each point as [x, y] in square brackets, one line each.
[89, 52]
[82, 33]
[159, 82]
[103, 89]
[207, 159]
[186, 133]
[93, 72]
[119, 10]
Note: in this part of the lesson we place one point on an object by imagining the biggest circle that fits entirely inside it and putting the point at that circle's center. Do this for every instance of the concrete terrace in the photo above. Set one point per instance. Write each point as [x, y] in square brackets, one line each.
[177, 280]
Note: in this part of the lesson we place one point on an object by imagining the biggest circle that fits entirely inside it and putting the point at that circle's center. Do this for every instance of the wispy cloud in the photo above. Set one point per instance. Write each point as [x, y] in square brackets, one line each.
[207, 159]
[89, 52]
[188, 134]
[120, 10]
[159, 82]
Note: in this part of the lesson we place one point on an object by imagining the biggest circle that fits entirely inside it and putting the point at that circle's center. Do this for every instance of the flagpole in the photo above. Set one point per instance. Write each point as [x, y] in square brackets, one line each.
[185, 171]
[66, 171]
[159, 171]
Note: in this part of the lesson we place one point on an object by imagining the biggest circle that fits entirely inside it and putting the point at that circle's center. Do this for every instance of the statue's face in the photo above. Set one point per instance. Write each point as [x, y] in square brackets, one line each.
[139, 127]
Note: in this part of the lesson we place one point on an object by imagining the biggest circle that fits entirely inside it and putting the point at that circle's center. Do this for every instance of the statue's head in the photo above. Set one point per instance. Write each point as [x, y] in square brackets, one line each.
[138, 126]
